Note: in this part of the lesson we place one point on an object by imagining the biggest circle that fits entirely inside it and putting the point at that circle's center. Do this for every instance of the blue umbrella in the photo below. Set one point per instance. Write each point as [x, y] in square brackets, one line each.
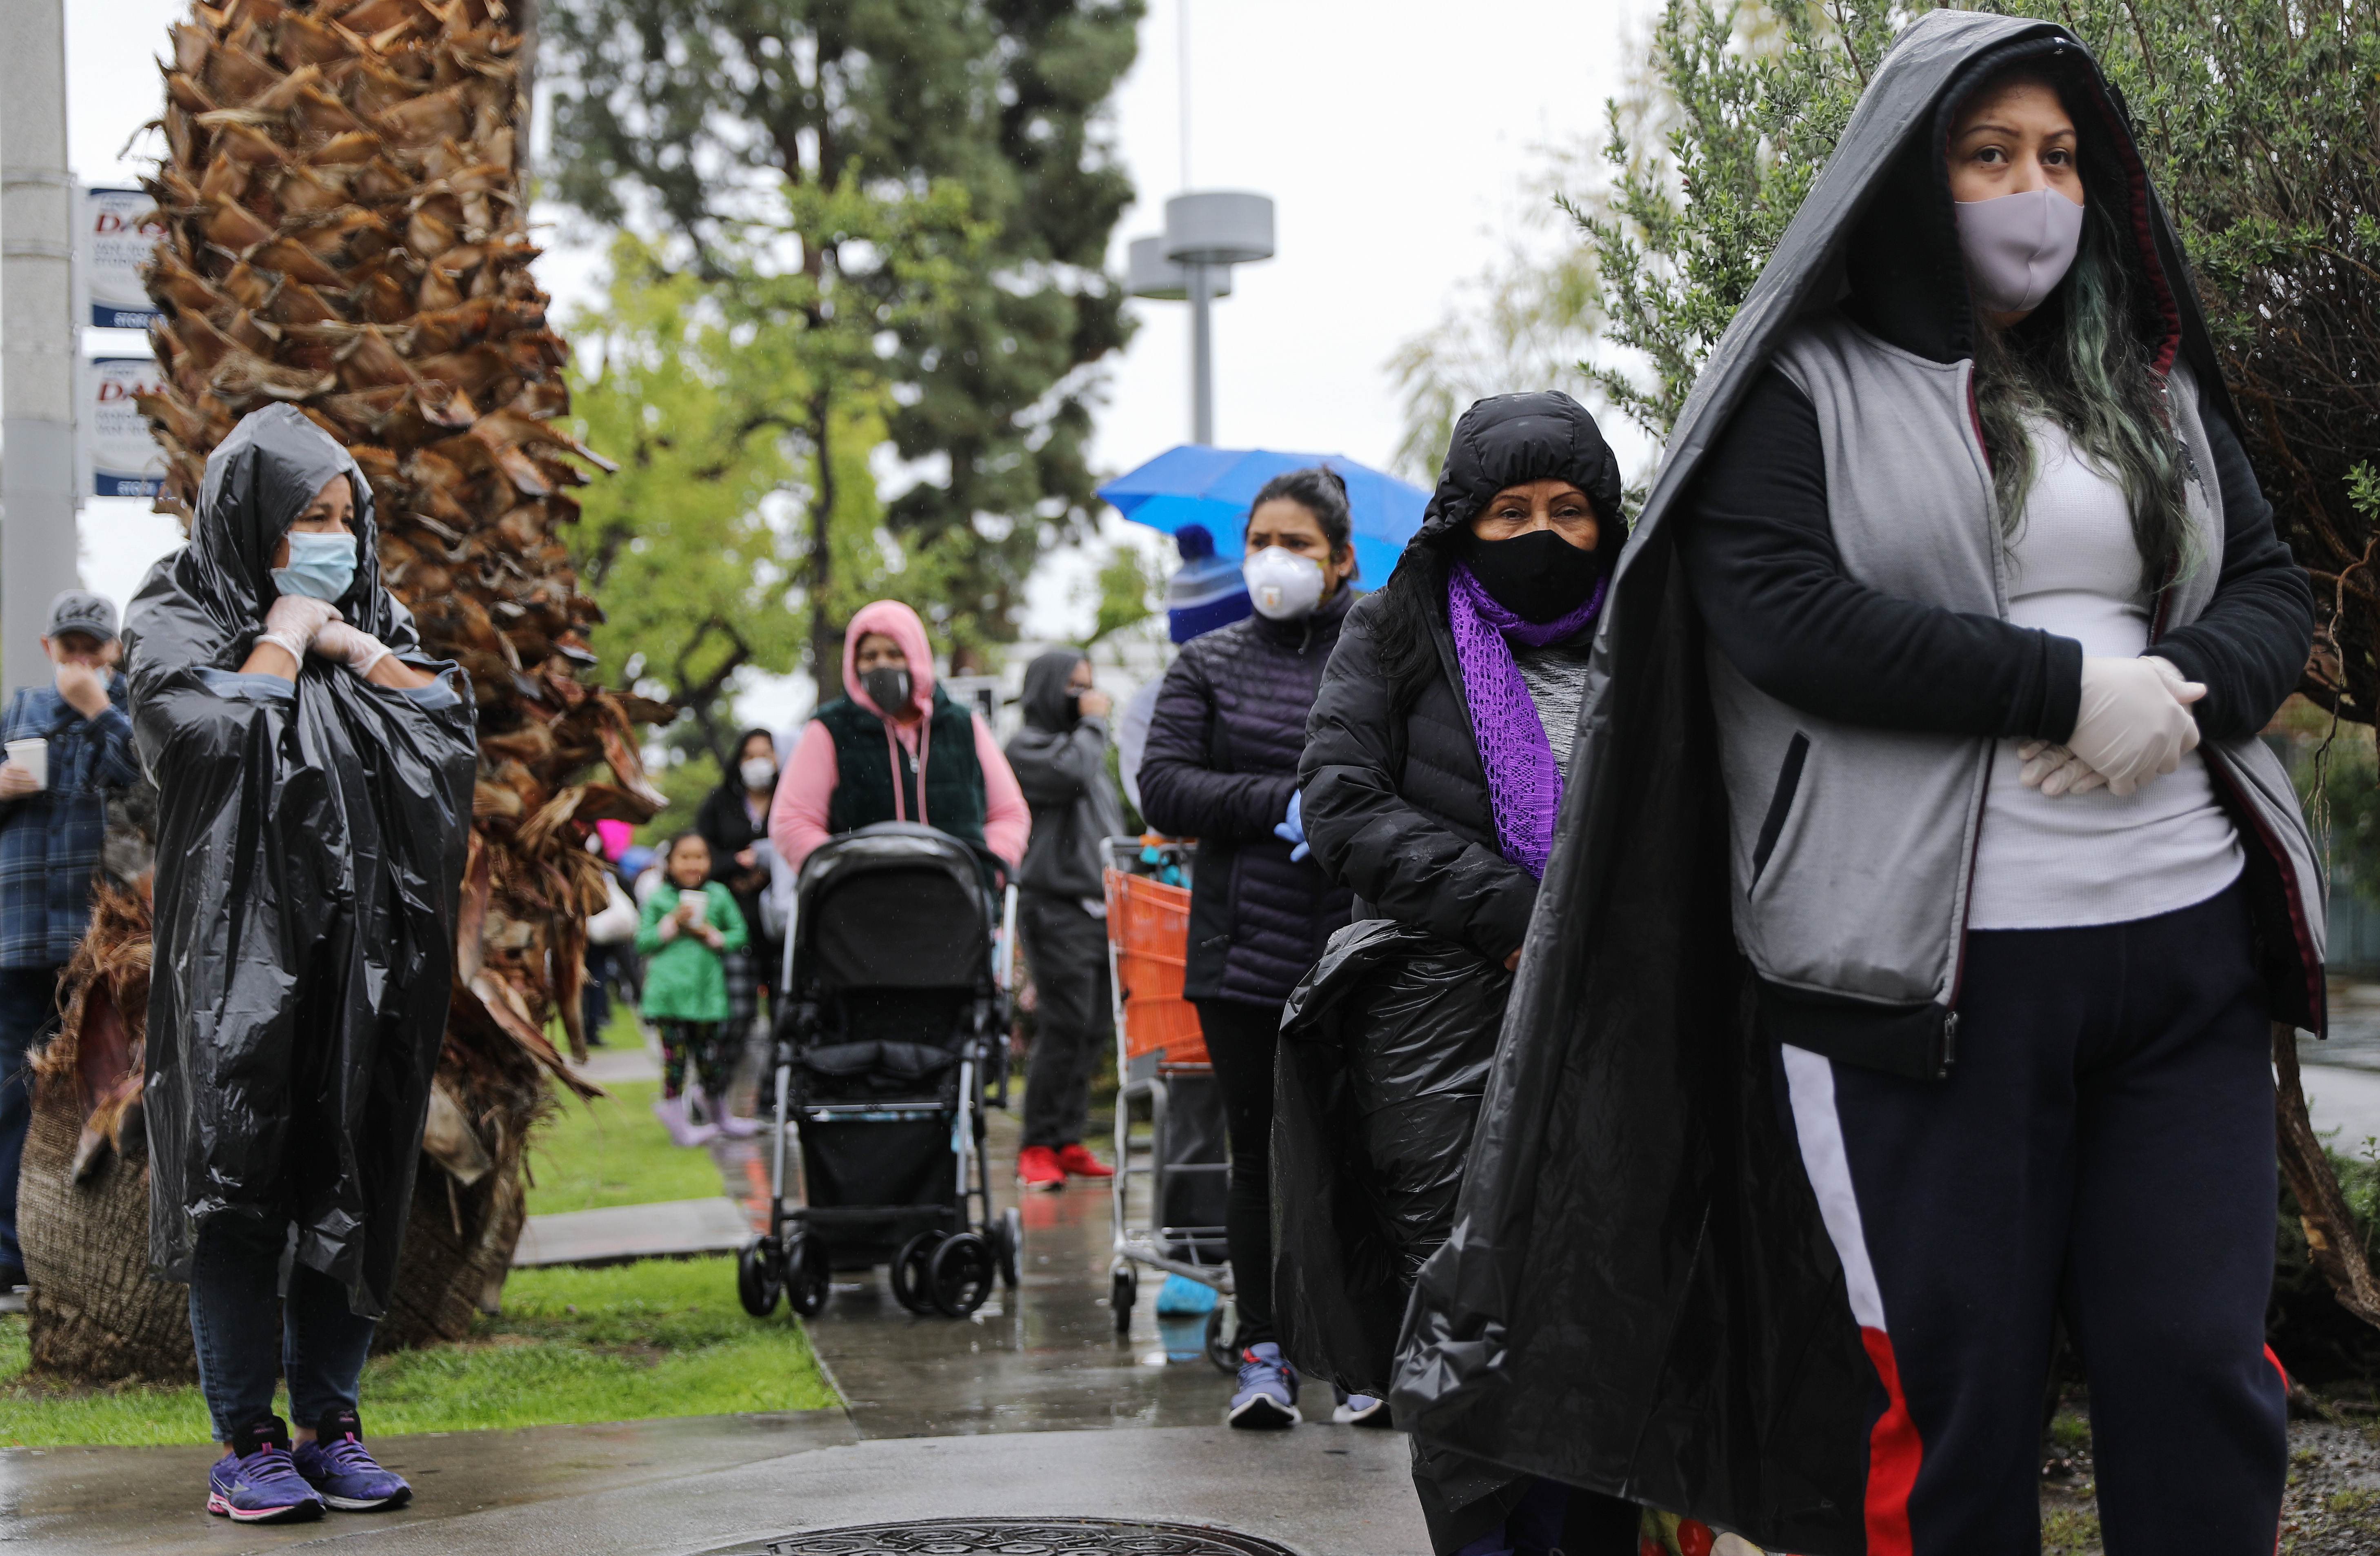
[1195, 485]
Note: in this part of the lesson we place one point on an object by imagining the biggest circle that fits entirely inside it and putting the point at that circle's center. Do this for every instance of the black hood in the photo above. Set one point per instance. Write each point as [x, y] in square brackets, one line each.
[1508, 440]
[1044, 698]
[1906, 278]
[258, 481]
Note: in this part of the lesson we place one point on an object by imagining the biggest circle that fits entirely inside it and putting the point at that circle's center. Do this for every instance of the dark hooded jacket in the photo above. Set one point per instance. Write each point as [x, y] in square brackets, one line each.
[1396, 802]
[1639, 1296]
[1219, 766]
[311, 846]
[1061, 762]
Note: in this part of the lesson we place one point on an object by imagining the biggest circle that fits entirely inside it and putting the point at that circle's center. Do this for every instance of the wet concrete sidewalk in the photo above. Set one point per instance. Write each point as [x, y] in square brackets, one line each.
[1008, 1413]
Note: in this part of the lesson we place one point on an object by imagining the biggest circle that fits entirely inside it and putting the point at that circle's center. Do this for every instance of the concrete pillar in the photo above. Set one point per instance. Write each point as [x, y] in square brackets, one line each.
[39, 341]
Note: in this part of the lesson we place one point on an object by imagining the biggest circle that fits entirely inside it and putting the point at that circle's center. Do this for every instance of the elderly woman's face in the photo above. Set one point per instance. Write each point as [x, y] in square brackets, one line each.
[1550, 504]
[333, 511]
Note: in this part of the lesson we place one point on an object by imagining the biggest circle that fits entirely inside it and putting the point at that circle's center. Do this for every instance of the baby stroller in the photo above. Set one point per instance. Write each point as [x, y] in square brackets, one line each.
[893, 1028]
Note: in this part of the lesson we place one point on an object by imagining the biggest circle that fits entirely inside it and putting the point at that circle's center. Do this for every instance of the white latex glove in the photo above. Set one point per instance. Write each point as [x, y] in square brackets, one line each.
[294, 620]
[357, 648]
[2056, 770]
[2134, 722]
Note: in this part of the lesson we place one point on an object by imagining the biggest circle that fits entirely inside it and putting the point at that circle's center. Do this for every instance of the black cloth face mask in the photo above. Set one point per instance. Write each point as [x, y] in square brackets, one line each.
[1538, 577]
[887, 688]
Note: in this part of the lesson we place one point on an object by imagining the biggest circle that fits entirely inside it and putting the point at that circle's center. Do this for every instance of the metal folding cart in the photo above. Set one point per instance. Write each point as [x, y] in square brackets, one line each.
[1158, 1044]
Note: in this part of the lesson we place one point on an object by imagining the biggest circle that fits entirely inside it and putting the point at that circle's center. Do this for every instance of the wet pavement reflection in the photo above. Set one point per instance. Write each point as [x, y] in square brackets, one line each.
[1043, 1357]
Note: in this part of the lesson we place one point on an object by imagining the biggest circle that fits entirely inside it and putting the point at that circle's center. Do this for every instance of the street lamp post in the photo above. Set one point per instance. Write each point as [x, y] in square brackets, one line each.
[1206, 234]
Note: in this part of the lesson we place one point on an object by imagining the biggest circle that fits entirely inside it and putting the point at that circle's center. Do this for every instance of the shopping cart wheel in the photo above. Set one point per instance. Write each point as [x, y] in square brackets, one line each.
[1006, 1235]
[808, 1280]
[912, 1285]
[1223, 1338]
[960, 1275]
[759, 1283]
[1122, 1287]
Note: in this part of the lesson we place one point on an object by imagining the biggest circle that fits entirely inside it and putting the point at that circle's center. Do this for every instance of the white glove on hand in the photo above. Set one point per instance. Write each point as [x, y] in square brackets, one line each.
[359, 648]
[2134, 722]
[293, 622]
[2056, 770]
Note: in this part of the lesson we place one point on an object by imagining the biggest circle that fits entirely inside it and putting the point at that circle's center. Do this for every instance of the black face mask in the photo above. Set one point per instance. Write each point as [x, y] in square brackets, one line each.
[1073, 704]
[1538, 577]
[887, 688]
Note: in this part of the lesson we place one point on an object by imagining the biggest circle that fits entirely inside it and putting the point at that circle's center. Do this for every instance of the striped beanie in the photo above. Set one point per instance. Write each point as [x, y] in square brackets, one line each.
[1205, 591]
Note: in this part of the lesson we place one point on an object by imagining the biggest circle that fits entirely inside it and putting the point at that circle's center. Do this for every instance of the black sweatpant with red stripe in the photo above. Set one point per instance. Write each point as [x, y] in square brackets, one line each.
[2103, 1147]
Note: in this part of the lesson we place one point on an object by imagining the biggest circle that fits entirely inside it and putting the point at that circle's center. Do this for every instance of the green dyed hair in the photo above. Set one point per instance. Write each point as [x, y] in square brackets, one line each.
[2081, 362]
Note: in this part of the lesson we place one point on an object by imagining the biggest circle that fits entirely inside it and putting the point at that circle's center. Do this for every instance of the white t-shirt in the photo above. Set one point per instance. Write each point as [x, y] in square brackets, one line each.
[2096, 859]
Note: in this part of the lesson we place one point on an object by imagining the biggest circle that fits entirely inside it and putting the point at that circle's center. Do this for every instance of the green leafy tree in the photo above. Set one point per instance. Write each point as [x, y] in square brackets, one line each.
[909, 203]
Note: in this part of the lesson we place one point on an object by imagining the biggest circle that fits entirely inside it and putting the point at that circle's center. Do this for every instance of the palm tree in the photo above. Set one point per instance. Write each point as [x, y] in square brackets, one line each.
[345, 213]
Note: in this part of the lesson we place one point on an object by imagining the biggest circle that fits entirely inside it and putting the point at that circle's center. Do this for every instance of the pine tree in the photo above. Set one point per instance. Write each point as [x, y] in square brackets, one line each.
[917, 200]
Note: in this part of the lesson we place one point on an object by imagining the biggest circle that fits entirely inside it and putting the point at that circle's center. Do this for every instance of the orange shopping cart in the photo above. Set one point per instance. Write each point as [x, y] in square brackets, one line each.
[1158, 1044]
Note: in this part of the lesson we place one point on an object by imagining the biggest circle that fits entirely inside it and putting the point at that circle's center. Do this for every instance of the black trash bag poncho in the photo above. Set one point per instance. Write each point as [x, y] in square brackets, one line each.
[1384, 1054]
[311, 847]
[1639, 1297]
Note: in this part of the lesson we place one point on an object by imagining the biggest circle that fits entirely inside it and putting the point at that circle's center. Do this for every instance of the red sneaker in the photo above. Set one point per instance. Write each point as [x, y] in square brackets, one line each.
[1037, 1167]
[1078, 1161]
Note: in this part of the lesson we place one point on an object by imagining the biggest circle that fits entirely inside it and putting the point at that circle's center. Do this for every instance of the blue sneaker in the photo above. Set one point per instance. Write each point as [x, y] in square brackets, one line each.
[337, 1465]
[1266, 1400]
[256, 1482]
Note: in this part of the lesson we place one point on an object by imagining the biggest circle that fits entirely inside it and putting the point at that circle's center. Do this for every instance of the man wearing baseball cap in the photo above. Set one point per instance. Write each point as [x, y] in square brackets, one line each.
[68, 742]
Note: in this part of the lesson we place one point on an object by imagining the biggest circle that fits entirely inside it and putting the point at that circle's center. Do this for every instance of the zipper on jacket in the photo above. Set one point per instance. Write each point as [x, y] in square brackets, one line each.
[1947, 1053]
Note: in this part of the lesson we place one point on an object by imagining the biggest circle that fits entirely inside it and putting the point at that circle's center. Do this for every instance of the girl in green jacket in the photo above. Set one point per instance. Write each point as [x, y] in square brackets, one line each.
[689, 926]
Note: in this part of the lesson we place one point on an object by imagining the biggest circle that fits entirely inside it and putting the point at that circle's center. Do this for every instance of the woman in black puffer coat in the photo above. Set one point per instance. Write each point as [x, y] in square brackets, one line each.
[1434, 766]
[1221, 766]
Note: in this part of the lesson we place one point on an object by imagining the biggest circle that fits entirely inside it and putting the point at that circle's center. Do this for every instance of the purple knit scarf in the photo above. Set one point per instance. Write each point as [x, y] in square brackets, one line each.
[1523, 786]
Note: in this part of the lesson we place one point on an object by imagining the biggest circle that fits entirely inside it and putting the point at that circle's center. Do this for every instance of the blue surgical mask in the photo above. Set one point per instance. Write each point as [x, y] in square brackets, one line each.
[321, 567]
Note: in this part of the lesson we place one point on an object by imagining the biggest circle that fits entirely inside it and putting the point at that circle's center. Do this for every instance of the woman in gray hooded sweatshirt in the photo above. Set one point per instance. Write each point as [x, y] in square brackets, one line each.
[1060, 761]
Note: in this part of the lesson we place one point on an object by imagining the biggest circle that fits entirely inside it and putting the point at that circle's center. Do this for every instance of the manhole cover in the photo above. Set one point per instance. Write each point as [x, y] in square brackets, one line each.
[1017, 1536]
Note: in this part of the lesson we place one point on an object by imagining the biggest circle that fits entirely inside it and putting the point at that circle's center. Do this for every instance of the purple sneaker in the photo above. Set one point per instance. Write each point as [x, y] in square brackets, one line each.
[1266, 1397]
[256, 1482]
[337, 1465]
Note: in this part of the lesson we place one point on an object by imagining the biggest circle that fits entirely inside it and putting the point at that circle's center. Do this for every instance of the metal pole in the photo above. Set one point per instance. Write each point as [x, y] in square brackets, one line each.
[1202, 353]
[38, 336]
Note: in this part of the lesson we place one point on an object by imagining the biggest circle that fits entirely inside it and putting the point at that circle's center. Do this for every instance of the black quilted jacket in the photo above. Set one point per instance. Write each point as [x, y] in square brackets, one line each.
[1219, 766]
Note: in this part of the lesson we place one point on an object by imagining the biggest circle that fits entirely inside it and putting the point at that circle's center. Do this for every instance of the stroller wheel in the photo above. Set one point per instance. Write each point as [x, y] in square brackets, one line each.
[961, 1274]
[808, 1281]
[1121, 1289]
[912, 1280]
[1006, 1235]
[1223, 1339]
[757, 1282]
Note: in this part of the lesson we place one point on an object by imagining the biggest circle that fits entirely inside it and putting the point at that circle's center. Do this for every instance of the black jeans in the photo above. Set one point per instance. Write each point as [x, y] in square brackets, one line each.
[2103, 1146]
[28, 1009]
[1243, 1039]
[317, 1342]
[1068, 951]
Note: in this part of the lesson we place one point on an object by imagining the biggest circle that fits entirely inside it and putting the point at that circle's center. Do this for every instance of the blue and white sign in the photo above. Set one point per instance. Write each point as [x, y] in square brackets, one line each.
[121, 228]
[125, 458]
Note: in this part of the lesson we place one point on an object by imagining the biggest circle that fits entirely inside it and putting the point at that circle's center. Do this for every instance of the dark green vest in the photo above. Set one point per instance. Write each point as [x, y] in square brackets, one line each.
[864, 775]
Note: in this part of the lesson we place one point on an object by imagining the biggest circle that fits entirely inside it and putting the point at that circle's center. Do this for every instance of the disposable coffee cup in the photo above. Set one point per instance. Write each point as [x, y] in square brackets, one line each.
[697, 901]
[34, 756]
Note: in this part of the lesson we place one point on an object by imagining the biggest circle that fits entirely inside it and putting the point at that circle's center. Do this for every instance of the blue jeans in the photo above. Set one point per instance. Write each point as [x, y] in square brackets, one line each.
[28, 1009]
[321, 1344]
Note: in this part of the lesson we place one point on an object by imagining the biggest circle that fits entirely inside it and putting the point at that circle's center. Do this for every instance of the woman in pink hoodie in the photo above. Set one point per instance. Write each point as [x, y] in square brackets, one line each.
[894, 748]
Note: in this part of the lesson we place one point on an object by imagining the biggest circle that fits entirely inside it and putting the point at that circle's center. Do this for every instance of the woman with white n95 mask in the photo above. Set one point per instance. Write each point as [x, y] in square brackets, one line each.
[1220, 765]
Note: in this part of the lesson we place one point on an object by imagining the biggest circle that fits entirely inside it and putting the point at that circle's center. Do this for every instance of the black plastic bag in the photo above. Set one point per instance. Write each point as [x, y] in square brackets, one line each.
[311, 847]
[1384, 1051]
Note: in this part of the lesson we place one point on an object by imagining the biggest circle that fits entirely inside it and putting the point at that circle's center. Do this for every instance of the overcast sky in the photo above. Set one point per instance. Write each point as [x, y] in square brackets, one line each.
[1393, 136]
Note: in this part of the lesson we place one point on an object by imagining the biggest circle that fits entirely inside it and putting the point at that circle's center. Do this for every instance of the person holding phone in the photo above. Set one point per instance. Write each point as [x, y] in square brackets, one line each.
[689, 928]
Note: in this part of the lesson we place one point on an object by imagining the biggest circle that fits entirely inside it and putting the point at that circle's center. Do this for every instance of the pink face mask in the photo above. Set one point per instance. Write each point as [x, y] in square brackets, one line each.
[2017, 248]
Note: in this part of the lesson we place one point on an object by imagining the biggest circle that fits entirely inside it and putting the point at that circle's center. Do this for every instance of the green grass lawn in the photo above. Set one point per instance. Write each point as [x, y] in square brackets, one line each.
[611, 1151]
[628, 1343]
